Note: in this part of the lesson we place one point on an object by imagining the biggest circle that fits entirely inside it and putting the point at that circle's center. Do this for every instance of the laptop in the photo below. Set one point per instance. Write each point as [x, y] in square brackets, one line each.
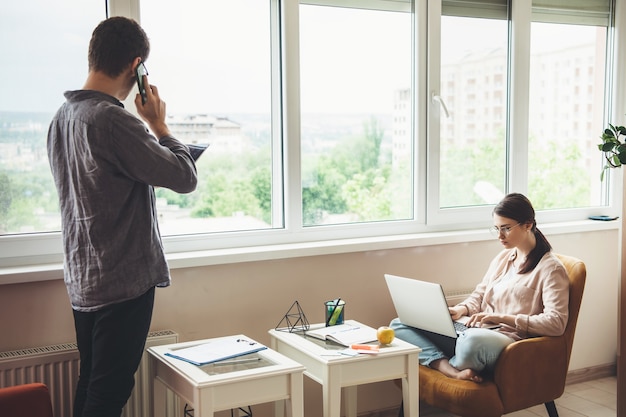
[423, 305]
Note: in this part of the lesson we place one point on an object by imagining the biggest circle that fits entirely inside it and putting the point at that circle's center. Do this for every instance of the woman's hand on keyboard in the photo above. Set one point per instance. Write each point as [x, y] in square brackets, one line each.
[457, 312]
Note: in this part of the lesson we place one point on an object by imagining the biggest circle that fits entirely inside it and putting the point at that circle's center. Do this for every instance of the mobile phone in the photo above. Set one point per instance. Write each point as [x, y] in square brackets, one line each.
[140, 72]
[603, 218]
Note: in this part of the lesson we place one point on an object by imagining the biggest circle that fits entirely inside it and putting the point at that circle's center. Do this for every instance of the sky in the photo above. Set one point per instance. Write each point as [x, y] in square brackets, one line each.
[224, 56]
[206, 60]
[37, 66]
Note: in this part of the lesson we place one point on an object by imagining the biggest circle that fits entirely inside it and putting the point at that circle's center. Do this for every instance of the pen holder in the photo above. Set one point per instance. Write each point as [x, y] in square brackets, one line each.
[334, 312]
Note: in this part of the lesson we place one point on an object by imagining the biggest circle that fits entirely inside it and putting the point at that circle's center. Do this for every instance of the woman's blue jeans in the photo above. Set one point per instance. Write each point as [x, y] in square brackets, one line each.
[476, 349]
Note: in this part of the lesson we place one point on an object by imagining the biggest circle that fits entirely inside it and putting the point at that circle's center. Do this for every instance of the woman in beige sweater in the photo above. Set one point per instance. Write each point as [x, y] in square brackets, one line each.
[525, 291]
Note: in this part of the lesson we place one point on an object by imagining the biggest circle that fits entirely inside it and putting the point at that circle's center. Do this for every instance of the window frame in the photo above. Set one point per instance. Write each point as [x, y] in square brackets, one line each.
[521, 16]
[46, 248]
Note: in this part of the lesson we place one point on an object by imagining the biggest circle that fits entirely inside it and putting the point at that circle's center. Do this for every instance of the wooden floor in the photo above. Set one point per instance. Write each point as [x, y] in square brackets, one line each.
[597, 398]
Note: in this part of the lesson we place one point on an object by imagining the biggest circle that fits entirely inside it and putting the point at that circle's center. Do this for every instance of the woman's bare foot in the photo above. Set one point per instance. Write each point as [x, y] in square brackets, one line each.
[443, 366]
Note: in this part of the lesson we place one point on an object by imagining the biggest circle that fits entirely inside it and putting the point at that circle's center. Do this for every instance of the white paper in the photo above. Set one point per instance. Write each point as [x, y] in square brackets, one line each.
[217, 350]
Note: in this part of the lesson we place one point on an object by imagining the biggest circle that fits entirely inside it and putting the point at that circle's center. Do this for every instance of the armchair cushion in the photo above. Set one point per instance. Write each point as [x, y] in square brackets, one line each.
[465, 398]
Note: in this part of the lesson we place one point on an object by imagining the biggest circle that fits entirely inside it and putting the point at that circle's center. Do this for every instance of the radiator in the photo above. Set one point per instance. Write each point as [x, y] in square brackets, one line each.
[455, 297]
[57, 366]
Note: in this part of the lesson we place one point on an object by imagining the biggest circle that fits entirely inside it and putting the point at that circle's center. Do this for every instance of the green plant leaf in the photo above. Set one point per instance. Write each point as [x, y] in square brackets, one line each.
[614, 150]
[603, 171]
[616, 161]
[606, 147]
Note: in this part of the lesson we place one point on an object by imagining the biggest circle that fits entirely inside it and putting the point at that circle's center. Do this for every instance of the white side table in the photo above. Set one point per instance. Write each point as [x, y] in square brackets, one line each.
[213, 387]
[334, 371]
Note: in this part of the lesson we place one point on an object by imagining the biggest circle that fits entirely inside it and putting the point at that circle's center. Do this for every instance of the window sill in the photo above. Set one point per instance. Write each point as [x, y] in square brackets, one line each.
[48, 272]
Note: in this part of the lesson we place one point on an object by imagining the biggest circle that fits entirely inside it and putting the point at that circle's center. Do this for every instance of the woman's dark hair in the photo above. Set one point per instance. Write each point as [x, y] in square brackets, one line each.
[517, 207]
[114, 44]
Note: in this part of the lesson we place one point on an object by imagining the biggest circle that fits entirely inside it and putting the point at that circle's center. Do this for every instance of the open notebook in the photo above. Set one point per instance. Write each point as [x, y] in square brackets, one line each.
[345, 334]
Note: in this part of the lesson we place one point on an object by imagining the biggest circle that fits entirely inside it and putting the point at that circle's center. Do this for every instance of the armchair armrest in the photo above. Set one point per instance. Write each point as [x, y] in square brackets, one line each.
[531, 371]
[31, 400]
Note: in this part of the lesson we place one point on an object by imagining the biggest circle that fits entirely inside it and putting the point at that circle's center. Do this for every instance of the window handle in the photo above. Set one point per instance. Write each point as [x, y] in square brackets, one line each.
[437, 99]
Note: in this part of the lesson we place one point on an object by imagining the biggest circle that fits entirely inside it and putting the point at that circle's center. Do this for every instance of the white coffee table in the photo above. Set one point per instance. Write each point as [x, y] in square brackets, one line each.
[334, 371]
[211, 388]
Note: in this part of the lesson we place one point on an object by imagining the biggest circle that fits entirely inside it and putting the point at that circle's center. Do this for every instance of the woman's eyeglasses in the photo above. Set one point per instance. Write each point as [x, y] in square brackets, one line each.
[504, 230]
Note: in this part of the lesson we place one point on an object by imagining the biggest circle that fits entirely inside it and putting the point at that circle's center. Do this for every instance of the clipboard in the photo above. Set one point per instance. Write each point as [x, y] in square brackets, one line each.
[196, 150]
[217, 350]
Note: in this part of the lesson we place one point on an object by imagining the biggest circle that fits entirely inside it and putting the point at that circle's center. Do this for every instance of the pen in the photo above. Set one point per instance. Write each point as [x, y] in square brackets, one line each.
[236, 361]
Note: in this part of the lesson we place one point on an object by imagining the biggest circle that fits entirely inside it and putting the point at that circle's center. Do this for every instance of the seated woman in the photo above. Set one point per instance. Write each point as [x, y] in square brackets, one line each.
[525, 291]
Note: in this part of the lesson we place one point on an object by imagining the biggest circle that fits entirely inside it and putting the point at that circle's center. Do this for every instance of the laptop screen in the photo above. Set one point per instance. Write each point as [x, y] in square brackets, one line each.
[421, 304]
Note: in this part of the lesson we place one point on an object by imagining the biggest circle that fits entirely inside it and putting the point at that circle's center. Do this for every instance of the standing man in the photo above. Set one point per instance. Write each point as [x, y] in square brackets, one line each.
[105, 165]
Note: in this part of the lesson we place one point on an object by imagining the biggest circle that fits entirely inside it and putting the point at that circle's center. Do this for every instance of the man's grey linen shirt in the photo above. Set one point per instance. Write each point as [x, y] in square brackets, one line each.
[105, 164]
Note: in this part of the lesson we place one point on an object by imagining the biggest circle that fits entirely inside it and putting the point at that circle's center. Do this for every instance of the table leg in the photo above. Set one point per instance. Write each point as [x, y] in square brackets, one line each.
[332, 401]
[331, 392]
[157, 389]
[159, 399]
[279, 408]
[350, 394]
[410, 388]
[296, 396]
[203, 403]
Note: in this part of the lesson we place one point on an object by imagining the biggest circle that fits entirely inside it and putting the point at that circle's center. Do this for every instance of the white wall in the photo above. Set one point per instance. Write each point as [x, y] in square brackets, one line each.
[252, 297]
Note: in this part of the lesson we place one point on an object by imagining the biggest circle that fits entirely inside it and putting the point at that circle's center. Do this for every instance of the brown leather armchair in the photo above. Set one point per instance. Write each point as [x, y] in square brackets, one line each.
[528, 372]
[27, 400]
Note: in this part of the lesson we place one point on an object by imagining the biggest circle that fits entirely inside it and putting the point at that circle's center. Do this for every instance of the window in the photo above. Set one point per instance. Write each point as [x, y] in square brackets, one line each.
[511, 108]
[474, 54]
[329, 119]
[44, 53]
[356, 124]
[567, 84]
[212, 62]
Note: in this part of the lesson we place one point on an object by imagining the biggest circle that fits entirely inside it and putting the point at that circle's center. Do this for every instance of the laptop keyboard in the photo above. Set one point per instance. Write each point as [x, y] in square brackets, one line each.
[459, 327]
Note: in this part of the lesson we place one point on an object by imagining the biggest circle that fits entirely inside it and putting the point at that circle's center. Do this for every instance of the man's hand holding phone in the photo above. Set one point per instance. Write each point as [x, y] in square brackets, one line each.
[149, 105]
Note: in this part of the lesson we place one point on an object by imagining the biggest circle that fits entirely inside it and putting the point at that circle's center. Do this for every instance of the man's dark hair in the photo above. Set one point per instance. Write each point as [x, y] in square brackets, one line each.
[115, 42]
